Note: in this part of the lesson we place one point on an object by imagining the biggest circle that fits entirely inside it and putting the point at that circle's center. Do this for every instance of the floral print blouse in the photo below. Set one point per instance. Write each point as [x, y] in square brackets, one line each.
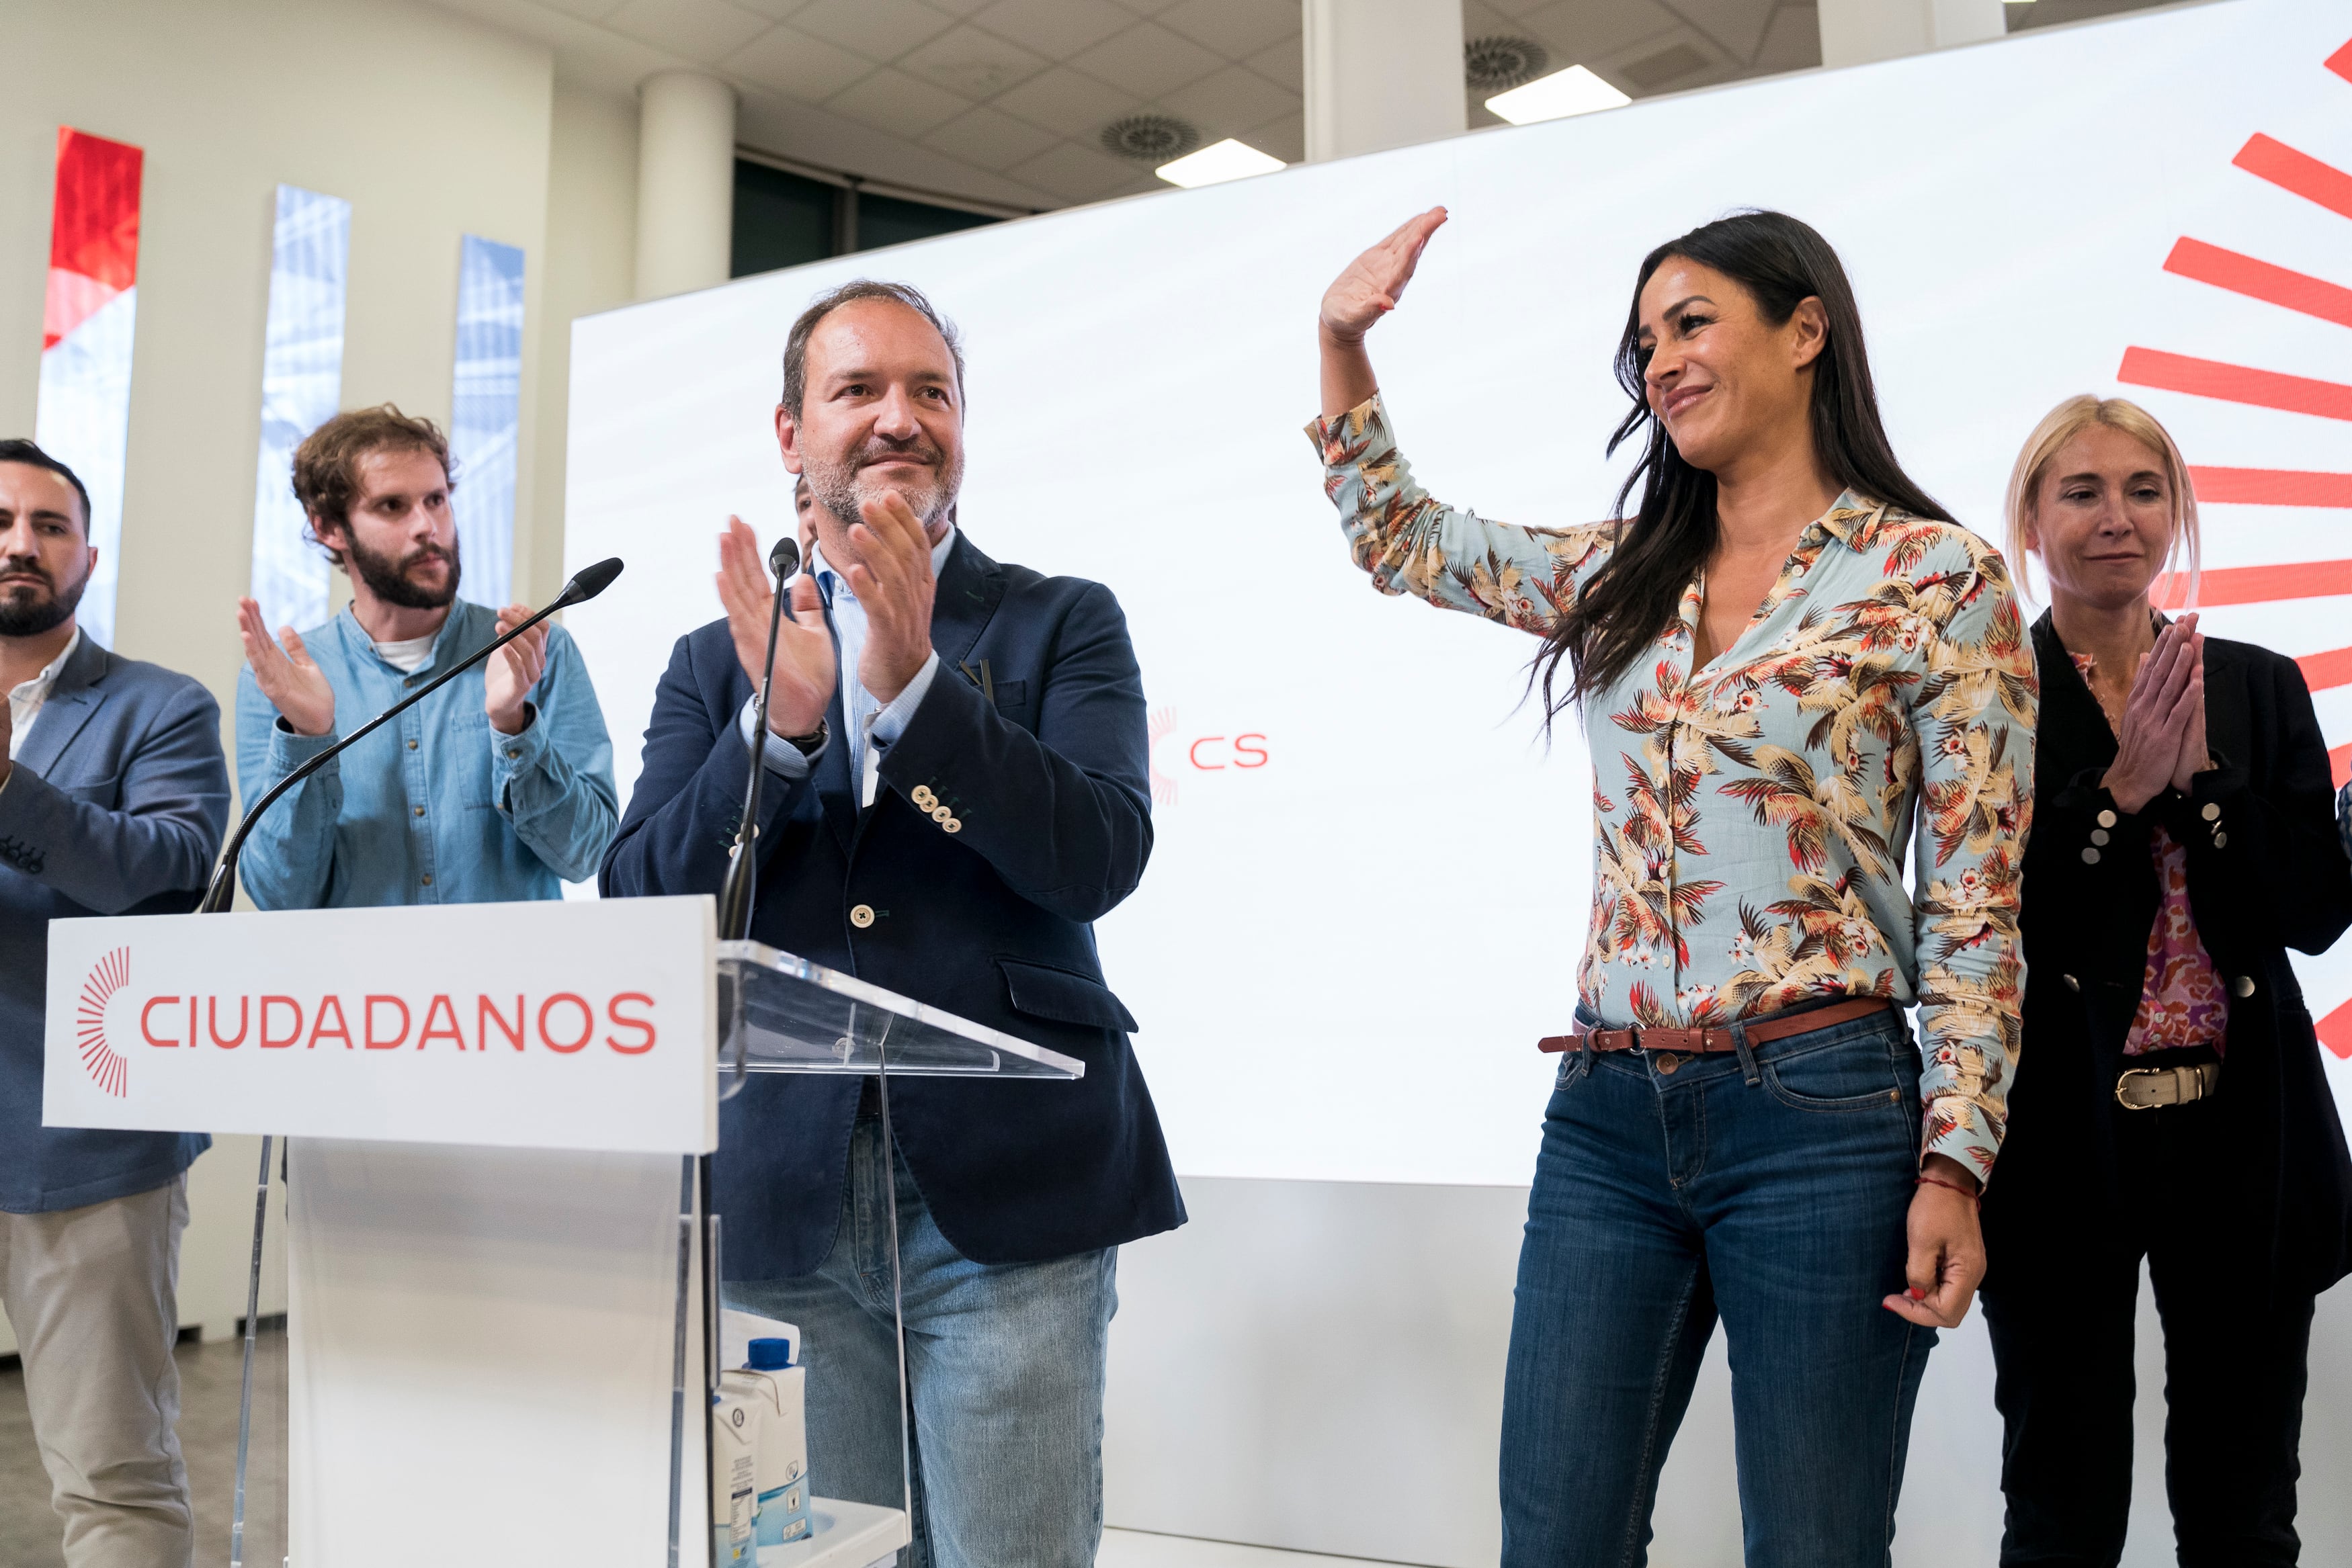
[1753, 818]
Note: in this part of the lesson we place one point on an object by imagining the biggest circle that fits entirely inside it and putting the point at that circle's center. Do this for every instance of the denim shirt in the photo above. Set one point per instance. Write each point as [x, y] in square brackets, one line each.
[437, 806]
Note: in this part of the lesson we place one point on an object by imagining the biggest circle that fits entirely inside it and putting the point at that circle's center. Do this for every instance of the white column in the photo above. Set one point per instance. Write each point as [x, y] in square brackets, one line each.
[686, 183]
[1854, 32]
[1380, 74]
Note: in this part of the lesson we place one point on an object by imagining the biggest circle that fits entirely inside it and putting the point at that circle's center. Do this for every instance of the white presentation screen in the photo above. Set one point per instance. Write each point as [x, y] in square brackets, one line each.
[1371, 880]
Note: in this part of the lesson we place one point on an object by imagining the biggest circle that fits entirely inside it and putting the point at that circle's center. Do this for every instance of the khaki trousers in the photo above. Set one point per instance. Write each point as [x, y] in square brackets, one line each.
[92, 1293]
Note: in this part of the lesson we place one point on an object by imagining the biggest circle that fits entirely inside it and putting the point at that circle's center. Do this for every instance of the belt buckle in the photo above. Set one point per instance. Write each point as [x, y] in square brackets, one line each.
[2179, 1087]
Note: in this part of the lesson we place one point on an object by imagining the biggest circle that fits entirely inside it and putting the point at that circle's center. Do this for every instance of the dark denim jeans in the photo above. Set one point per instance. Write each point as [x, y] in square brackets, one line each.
[1769, 1187]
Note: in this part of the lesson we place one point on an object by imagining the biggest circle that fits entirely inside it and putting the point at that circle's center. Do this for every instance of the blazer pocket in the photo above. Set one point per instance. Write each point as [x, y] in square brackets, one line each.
[1058, 996]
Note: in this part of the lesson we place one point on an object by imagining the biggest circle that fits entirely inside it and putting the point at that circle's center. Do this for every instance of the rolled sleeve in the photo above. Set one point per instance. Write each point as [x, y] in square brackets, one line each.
[515, 753]
[780, 756]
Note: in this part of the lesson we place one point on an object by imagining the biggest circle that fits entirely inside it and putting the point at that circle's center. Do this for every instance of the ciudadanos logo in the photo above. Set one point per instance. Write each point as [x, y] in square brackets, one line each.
[106, 1065]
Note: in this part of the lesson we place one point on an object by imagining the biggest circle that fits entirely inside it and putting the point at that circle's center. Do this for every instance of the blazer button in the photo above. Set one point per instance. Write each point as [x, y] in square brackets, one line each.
[952, 825]
[2106, 819]
[2090, 857]
[2099, 837]
[862, 915]
[921, 796]
[2221, 841]
[2071, 983]
[2212, 812]
[940, 813]
[2243, 986]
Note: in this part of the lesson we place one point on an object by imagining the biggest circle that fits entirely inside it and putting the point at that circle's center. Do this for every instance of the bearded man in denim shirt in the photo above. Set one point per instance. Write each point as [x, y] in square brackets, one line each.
[498, 787]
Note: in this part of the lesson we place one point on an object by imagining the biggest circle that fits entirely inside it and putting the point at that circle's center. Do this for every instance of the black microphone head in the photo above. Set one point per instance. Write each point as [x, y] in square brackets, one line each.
[590, 580]
[785, 558]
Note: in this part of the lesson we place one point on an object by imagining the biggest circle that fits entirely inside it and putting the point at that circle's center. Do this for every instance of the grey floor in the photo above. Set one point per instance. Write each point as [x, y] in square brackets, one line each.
[209, 1378]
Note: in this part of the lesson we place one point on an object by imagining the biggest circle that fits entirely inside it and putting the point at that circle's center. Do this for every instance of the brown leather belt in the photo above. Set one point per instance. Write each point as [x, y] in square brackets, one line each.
[1703, 1041]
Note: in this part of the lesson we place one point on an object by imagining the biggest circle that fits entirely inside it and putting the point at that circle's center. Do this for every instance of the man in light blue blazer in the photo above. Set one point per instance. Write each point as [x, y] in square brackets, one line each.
[113, 801]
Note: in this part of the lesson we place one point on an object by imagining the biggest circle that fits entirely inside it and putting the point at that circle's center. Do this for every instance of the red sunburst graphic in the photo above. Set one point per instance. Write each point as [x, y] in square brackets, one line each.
[2325, 186]
[106, 1064]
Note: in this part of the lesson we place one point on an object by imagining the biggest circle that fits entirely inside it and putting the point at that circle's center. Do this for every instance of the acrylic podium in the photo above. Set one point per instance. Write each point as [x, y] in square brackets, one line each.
[492, 1112]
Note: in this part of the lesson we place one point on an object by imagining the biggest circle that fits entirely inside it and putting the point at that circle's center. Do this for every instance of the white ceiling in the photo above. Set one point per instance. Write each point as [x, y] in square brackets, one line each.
[1004, 100]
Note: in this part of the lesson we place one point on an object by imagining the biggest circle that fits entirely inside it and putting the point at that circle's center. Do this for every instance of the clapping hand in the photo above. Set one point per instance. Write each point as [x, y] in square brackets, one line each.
[283, 669]
[802, 689]
[893, 580]
[1374, 282]
[508, 680]
[2166, 704]
[2194, 758]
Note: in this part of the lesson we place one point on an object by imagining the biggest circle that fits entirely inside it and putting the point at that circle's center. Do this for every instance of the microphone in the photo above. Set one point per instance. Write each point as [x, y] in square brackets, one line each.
[735, 896]
[585, 584]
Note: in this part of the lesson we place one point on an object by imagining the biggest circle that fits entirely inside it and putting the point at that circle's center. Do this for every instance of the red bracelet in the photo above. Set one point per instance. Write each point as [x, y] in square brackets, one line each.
[1976, 1197]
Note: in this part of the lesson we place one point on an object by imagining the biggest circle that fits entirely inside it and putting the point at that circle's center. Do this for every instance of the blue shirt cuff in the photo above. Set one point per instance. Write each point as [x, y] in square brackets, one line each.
[781, 758]
[515, 753]
[288, 750]
[891, 722]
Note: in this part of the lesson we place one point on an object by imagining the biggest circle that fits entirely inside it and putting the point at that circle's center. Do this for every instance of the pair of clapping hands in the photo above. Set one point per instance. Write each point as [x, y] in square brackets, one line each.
[2161, 741]
[299, 689]
[891, 576]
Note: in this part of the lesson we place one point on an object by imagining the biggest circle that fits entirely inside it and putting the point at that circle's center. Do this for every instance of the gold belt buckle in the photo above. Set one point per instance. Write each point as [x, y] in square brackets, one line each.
[2130, 1073]
[2181, 1076]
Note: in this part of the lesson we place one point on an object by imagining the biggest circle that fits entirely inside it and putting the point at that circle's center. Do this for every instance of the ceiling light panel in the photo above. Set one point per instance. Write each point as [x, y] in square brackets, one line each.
[1556, 96]
[1218, 162]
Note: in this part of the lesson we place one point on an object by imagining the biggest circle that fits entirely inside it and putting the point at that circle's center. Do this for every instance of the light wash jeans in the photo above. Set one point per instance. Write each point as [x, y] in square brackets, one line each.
[1004, 1368]
[1771, 1186]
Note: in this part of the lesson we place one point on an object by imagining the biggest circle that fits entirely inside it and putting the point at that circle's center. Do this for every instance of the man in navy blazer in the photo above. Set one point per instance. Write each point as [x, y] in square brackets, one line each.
[112, 800]
[960, 789]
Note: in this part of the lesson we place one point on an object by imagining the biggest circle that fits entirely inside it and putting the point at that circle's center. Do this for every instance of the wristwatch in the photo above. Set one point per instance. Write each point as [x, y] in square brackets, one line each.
[809, 745]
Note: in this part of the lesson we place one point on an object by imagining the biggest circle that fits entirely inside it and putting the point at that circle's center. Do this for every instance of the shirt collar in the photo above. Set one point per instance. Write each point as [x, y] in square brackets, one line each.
[833, 583]
[349, 622]
[41, 686]
[1851, 521]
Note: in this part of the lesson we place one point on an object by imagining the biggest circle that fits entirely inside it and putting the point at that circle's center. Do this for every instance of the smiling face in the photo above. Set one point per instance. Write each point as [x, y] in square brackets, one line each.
[883, 412]
[2102, 518]
[45, 556]
[1726, 384]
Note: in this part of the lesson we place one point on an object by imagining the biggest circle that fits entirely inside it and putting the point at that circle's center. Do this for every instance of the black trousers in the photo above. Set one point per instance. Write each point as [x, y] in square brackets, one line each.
[2061, 1310]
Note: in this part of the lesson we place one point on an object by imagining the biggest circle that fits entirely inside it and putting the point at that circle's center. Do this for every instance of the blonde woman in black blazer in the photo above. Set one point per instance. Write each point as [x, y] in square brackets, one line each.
[2169, 1103]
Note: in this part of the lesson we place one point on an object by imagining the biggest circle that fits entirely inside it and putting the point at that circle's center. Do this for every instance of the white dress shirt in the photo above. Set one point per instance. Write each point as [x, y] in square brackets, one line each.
[26, 697]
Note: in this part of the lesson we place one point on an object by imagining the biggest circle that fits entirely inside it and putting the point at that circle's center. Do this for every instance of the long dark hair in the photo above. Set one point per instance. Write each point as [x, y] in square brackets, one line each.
[1637, 593]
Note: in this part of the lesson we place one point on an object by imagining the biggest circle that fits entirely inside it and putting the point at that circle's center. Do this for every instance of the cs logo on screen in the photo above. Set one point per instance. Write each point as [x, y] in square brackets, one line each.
[105, 1064]
[1177, 751]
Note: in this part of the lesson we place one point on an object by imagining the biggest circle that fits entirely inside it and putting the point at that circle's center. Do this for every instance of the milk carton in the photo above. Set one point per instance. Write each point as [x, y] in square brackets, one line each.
[781, 1390]
[734, 1471]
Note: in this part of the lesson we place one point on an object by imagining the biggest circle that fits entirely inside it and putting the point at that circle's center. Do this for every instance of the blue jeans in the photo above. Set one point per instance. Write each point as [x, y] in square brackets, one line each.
[1771, 1186]
[1005, 1367]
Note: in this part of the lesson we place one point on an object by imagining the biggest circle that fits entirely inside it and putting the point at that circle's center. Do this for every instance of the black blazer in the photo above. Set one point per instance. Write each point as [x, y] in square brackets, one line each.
[992, 922]
[2265, 873]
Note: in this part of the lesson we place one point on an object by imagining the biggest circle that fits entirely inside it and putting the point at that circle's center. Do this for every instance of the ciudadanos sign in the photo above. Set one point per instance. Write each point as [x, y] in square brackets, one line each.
[574, 1026]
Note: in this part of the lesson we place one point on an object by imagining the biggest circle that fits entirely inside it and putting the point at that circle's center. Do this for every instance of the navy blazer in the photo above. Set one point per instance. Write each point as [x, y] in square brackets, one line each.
[992, 922]
[115, 806]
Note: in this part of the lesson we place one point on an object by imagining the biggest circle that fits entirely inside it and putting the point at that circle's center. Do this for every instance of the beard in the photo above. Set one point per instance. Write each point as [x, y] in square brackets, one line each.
[842, 485]
[27, 611]
[387, 576]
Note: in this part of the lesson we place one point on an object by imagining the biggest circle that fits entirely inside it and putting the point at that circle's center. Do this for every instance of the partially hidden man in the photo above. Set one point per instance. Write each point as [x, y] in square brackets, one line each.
[113, 795]
[960, 759]
[498, 787]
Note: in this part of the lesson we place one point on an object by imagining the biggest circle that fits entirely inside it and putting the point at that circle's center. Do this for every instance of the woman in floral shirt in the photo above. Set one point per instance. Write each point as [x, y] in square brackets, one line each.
[1788, 664]
[2176, 1109]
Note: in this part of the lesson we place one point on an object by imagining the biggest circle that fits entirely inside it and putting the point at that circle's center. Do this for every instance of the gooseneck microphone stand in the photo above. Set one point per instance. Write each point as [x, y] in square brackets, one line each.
[734, 925]
[585, 584]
